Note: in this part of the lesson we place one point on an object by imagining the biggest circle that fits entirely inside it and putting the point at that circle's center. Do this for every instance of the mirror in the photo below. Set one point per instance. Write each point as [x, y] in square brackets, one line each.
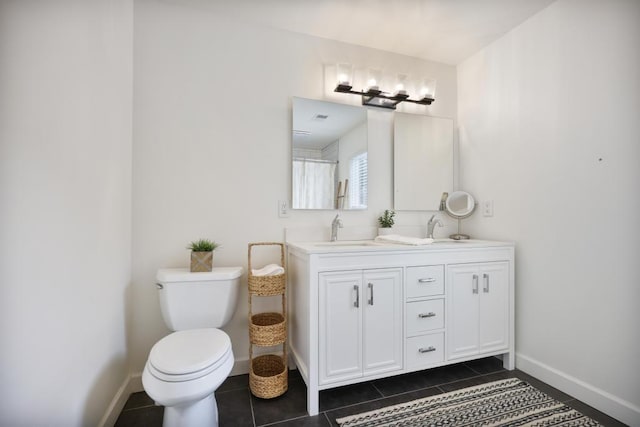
[329, 155]
[459, 205]
[422, 161]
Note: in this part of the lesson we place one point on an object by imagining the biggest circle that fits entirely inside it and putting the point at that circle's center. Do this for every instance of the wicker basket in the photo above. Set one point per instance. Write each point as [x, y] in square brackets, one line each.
[267, 285]
[269, 376]
[267, 329]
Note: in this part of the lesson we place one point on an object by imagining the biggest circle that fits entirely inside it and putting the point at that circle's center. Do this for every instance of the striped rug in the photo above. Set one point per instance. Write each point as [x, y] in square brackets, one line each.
[510, 402]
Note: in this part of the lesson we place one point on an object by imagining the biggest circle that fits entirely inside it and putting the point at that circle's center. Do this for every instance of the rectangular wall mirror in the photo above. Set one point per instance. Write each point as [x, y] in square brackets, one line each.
[422, 161]
[329, 155]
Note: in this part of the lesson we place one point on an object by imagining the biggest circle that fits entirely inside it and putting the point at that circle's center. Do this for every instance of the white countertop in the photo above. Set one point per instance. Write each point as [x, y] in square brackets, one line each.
[372, 246]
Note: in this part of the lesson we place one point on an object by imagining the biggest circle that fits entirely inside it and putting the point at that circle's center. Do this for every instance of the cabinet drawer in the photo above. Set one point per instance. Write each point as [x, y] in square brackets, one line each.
[425, 350]
[424, 316]
[425, 281]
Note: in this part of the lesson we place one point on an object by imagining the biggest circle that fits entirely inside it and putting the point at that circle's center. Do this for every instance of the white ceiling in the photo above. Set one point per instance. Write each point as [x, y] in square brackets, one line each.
[447, 31]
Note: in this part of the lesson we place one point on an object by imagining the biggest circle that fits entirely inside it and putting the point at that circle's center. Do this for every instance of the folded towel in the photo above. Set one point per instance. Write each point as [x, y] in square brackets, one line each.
[268, 270]
[404, 240]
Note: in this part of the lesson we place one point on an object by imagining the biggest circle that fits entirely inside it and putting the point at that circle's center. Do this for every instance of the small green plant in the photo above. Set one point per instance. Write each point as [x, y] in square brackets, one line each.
[203, 245]
[386, 220]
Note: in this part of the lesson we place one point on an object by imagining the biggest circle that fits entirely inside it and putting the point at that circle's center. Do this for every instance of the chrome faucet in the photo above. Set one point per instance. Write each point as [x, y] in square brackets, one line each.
[431, 225]
[335, 224]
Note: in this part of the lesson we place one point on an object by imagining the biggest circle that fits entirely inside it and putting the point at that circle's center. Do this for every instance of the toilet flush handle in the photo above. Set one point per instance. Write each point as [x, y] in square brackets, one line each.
[159, 286]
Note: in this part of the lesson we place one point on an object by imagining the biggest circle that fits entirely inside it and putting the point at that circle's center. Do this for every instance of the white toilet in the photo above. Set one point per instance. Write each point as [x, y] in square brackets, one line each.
[185, 368]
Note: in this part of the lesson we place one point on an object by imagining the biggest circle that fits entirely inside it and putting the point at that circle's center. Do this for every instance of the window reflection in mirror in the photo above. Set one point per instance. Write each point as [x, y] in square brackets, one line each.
[423, 161]
[329, 155]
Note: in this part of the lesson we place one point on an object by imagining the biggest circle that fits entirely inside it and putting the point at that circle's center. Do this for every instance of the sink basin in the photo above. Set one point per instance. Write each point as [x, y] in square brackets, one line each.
[443, 241]
[347, 243]
[451, 241]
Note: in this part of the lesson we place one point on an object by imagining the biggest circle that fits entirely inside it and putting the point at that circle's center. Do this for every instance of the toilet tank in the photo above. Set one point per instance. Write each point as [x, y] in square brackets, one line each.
[198, 300]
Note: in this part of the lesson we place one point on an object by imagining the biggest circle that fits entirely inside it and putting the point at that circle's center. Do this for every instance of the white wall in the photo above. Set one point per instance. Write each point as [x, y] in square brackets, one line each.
[549, 130]
[65, 210]
[212, 123]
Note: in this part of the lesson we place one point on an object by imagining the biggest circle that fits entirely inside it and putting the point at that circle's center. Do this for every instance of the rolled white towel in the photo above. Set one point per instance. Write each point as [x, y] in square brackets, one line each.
[404, 240]
[268, 270]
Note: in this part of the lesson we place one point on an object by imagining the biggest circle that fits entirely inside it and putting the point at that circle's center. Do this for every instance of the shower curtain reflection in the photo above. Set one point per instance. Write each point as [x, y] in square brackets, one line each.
[314, 183]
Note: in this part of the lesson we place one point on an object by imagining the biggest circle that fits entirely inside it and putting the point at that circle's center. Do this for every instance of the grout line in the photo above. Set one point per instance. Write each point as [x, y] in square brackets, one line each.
[326, 416]
[301, 417]
[253, 414]
[139, 407]
[465, 364]
[377, 389]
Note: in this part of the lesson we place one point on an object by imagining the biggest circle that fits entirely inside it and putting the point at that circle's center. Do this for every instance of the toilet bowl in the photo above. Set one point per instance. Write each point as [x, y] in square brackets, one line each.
[182, 373]
[186, 367]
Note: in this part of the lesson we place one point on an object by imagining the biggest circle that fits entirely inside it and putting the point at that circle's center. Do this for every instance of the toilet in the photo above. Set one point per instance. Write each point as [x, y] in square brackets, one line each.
[186, 367]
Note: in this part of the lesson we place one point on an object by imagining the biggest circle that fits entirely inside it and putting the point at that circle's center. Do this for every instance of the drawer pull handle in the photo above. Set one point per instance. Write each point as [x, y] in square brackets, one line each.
[427, 280]
[475, 283]
[356, 303]
[485, 289]
[427, 350]
[371, 291]
[429, 314]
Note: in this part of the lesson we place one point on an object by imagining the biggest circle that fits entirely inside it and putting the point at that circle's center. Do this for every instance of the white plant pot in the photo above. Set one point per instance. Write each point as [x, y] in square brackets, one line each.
[385, 231]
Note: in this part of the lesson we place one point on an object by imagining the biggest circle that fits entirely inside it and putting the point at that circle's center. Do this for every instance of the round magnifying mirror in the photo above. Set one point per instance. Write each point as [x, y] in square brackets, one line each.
[459, 205]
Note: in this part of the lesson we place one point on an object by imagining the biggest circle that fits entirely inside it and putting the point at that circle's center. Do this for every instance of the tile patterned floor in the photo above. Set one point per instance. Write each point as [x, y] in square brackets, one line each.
[238, 408]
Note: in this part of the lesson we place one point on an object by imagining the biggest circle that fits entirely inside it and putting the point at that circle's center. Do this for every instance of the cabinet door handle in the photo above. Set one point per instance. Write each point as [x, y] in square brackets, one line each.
[371, 293]
[429, 314]
[427, 350]
[475, 283]
[356, 303]
[427, 280]
[485, 277]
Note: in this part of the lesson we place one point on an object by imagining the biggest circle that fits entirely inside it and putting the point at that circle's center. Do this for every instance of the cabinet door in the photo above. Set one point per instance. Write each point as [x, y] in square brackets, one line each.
[340, 326]
[463, 329]
[494, 306]
[478, 306]
[382, 326]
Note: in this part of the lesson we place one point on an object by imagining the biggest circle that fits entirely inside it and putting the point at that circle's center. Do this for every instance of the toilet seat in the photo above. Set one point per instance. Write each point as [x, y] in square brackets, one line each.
[188, 355]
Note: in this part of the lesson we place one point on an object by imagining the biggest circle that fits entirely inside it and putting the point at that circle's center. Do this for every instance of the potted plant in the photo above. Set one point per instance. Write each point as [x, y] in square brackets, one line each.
[202, 254]
[386, 221]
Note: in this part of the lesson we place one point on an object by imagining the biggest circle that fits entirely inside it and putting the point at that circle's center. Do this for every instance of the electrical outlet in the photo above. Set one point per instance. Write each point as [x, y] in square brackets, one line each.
[283, 209]
[487, 208]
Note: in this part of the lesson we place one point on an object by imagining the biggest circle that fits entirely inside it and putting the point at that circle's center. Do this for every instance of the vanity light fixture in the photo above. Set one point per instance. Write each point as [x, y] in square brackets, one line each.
[373, 96]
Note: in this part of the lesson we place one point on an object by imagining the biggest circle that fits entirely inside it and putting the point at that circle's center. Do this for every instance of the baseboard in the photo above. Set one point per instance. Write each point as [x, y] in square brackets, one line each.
[603, 401]
[135, 382]
[241, 366]
[117, 403]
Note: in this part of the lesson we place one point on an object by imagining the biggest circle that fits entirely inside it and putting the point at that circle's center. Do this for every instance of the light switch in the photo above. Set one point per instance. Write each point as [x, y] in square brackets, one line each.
[487, 208]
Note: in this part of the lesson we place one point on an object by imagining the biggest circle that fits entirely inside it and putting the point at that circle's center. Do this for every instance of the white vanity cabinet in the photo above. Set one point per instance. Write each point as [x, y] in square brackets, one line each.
[360, 324]
[360, 311]
[478, 308]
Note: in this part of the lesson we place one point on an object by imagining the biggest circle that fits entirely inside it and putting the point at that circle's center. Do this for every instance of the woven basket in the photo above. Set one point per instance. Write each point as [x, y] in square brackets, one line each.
[267, 285]
[267, 329]
[268, 377]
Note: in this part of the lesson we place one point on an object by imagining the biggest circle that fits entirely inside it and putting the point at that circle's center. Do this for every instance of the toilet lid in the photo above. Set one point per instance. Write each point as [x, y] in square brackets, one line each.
[189, 351]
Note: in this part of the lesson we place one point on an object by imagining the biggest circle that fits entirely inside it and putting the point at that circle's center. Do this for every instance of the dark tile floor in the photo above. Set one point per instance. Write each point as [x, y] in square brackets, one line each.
[238, 408]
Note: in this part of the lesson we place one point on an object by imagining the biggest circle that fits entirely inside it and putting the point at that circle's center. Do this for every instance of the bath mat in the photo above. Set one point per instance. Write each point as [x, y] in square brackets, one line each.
[510, 402]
